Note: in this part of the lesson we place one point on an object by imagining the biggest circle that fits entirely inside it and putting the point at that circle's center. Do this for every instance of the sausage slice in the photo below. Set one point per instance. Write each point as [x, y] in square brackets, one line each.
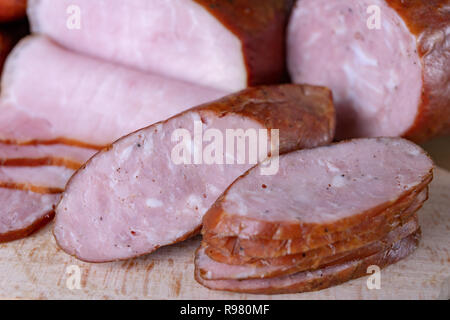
[132, 198]
[237, 250]
[318, 279]
[210, 269]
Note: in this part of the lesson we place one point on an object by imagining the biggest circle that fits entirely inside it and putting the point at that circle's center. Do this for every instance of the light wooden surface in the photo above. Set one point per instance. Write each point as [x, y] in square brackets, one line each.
[35, 268]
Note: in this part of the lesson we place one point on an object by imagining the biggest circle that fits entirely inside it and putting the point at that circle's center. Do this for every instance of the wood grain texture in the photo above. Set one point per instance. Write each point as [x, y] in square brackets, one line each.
[35, 268]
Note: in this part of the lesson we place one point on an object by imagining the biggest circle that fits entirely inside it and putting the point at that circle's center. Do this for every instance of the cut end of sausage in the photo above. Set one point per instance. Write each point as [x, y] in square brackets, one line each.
[374, 71]
[24, 212]
[309, 260]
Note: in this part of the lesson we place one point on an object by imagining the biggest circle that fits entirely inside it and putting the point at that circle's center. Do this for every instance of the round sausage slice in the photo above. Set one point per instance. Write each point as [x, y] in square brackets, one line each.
[137, 195]
[210, 269]
[237, 250]
[321, 191]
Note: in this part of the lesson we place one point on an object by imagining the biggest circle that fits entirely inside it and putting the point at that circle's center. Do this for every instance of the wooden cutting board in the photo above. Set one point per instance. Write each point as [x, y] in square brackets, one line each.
[35, 268]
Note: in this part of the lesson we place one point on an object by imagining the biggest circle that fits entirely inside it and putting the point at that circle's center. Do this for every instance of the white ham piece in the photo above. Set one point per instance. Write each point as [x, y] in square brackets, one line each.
[222, 44]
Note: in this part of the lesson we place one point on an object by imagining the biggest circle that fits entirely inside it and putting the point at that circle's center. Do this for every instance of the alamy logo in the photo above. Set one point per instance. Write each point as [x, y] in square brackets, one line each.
[374, 20]
[231, 149]
[73, 281]
[74, 19]
[374, 281]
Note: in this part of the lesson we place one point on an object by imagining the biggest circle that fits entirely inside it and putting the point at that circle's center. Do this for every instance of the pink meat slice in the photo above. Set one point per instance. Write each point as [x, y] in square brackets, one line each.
[177, 38]
[16, 154]
[51, 94]
[23, 212]
[328, 188]
[375, 74]
[133, 199]
[52, 178]
[136, 196]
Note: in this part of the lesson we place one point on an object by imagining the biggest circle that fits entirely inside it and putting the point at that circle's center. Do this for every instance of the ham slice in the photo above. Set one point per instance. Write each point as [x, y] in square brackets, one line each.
[52, 95]
[386, 61]
[24, 212]
[221, 44]
[258, 251]
[134, 197]
[321, 191]
[318, 279]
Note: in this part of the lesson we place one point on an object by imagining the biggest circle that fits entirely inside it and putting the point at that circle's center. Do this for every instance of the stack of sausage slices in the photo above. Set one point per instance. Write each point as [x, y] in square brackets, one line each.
[323, 218]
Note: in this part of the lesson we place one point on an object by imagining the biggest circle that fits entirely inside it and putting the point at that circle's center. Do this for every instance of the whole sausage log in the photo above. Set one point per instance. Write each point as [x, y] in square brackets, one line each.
[237, 250]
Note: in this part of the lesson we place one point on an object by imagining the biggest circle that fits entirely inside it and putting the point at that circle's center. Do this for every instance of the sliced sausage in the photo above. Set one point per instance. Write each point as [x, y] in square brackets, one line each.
[240, 251]
[221, 44]
[321, 191]
[24, 212]
[87, 102]
[210, 269]
[387, 63]
[133, 197]
[318, 279]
